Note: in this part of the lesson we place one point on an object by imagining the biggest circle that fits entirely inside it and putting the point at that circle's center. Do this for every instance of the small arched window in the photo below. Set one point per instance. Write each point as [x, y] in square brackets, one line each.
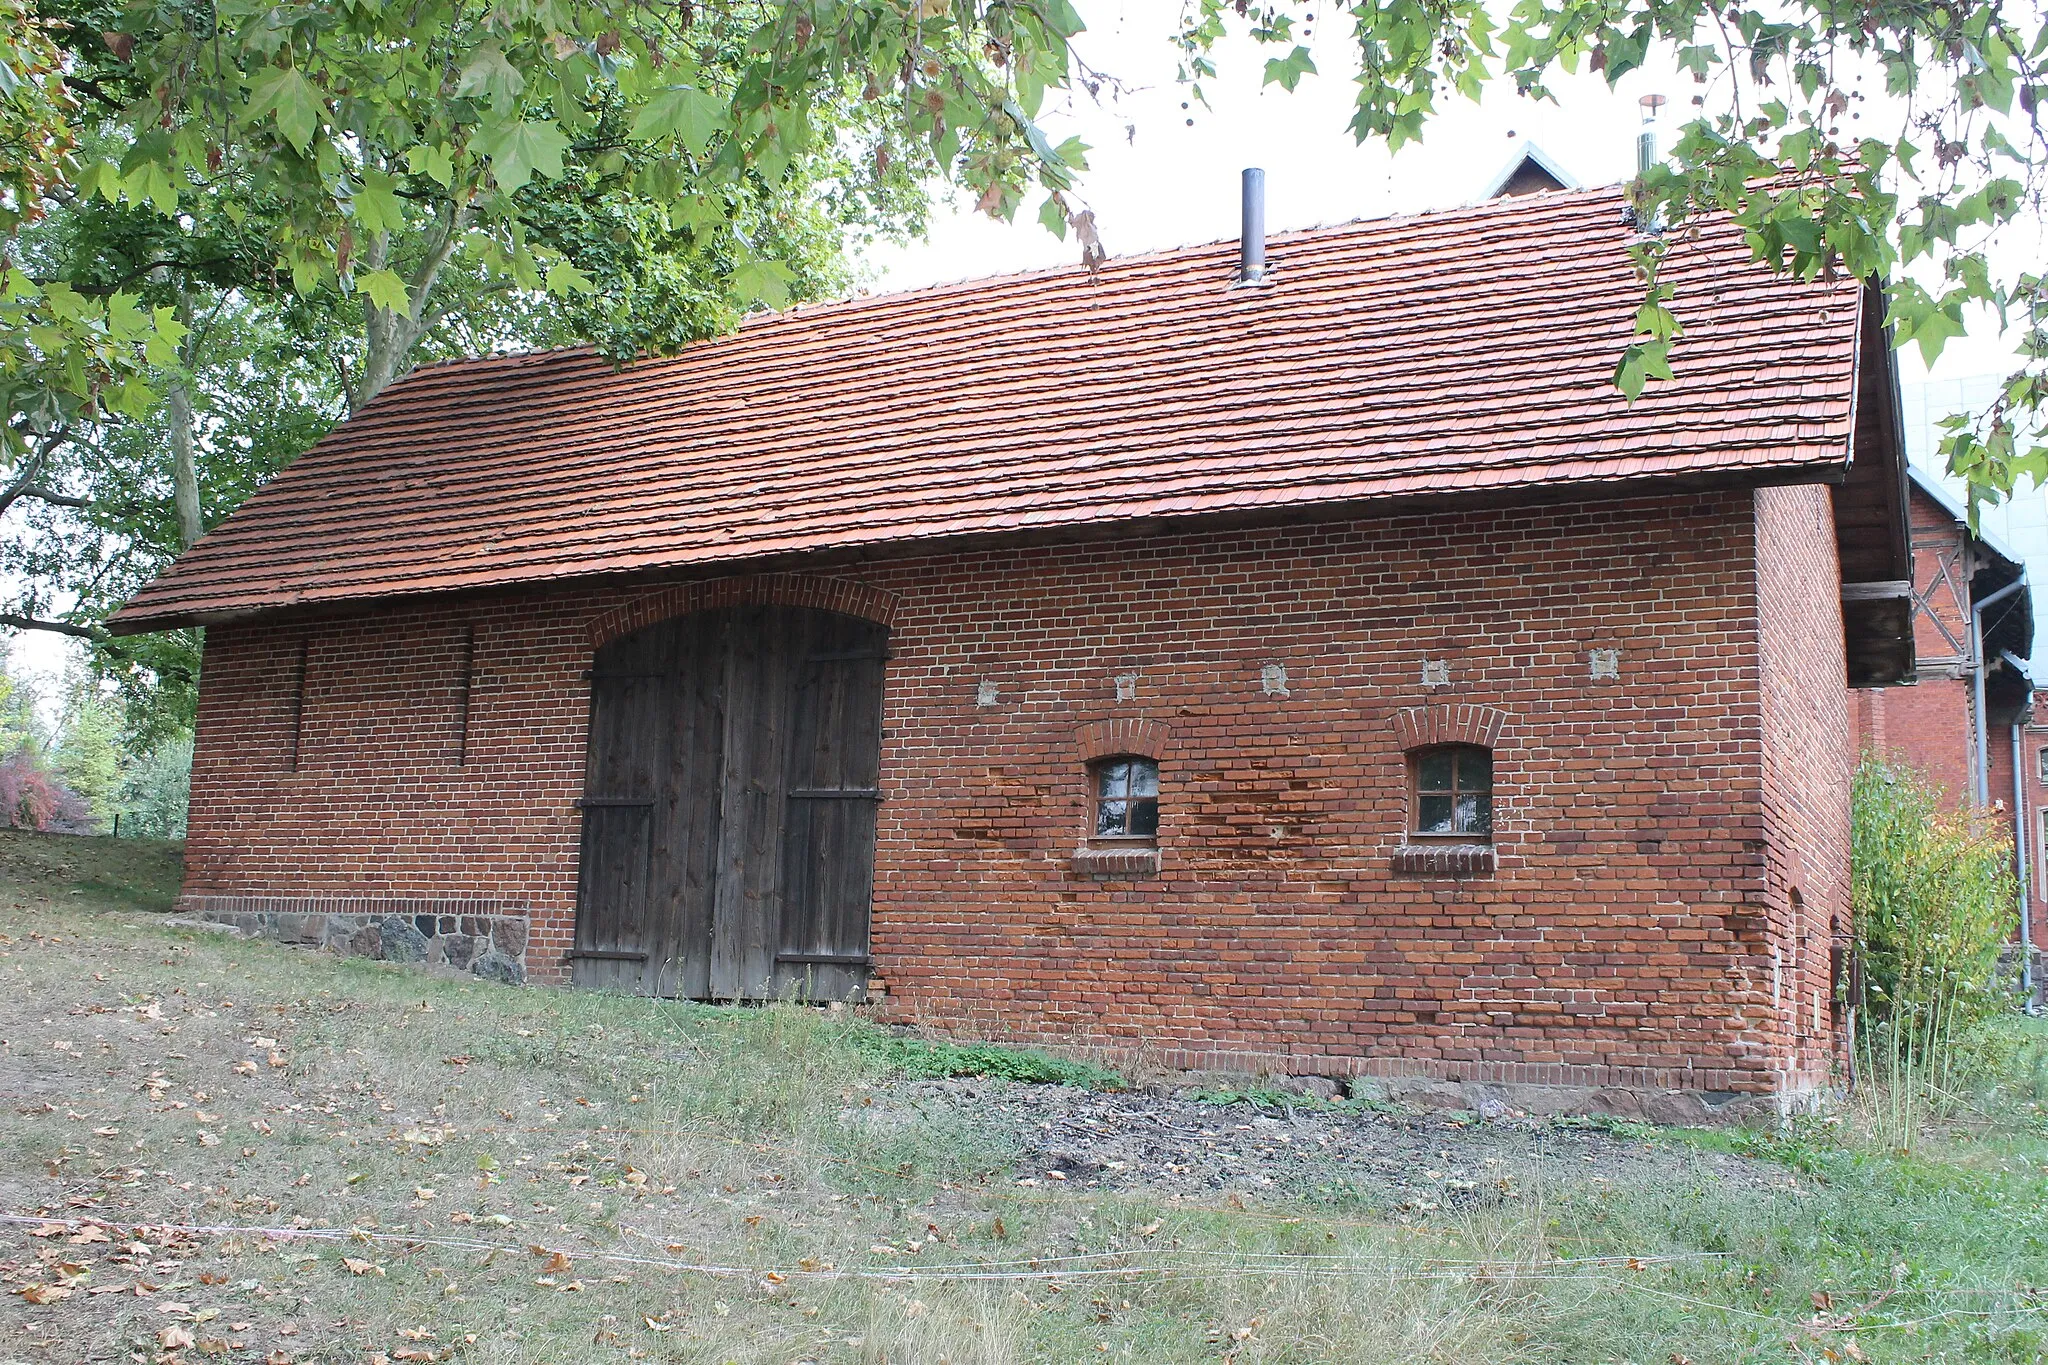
[1450, 793]
[1126, 798]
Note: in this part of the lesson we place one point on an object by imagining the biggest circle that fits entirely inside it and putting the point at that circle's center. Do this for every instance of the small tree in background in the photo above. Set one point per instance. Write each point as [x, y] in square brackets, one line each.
[155, 789]
[1934, 893]
[88, 749]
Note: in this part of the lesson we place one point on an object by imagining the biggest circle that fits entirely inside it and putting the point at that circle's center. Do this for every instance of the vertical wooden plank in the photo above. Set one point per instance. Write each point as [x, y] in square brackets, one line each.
[625, 756]
[829, 846]
[694, 778]
[766, 642]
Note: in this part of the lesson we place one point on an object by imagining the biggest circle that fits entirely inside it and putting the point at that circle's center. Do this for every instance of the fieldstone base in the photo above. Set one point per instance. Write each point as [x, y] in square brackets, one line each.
[484, 937]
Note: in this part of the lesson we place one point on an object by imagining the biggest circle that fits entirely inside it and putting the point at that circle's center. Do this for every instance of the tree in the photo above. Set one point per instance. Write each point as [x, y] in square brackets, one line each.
[372, 150]
[64, 358]
[87, 754]
[1896, 142]
[382, 186]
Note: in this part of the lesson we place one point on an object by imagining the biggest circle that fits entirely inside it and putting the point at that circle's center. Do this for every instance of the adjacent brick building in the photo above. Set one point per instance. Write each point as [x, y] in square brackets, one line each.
[1969, 707]
[1333, 675]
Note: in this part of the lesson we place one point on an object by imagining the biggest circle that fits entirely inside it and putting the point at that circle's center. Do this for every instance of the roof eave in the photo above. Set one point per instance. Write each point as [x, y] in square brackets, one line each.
[138, 620]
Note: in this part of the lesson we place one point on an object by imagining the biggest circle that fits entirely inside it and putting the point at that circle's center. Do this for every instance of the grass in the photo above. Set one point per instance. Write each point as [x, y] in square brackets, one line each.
[409, 1167]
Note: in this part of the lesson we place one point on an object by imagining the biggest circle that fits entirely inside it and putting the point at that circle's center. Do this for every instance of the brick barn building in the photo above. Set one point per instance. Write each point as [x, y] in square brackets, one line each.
[1332, 674]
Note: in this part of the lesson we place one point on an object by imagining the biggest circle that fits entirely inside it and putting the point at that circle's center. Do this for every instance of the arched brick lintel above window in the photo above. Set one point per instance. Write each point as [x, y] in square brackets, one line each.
[1125, 735]
[782, 590]
[1419, 727]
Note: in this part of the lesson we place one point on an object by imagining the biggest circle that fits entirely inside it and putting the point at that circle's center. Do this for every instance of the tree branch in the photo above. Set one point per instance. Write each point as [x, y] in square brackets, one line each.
[49, 495]
[25, 484]
[60, 627]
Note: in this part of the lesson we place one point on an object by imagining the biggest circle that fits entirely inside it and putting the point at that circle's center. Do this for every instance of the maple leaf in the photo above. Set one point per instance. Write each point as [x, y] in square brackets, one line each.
[358, 1267]
[174, 1338]
[44, 1293]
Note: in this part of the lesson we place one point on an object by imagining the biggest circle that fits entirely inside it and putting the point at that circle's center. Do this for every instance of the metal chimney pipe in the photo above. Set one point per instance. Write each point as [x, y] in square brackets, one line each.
[1251, 249]
[1646, 141]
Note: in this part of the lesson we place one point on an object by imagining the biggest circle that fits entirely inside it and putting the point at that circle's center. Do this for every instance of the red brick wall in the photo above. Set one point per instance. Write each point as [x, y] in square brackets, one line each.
[1807, 762]
[1625, 938]
[1925, 726]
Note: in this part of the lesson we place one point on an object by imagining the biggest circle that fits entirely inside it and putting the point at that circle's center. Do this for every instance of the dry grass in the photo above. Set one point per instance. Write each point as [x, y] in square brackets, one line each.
[419, 1168]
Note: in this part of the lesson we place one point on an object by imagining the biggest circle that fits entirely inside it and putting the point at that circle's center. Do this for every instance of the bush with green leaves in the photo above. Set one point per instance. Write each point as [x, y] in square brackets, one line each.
[1935, 900]
[155, 790]
[933, 1060]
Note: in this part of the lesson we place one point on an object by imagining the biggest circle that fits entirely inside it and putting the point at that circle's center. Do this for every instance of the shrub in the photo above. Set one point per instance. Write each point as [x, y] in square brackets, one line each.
[156, 790]
[1934, 895]
[920, 1059]
[33, 798]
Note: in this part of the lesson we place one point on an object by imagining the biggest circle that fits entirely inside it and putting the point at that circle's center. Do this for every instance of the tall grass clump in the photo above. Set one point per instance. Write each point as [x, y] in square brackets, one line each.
[1934, 893]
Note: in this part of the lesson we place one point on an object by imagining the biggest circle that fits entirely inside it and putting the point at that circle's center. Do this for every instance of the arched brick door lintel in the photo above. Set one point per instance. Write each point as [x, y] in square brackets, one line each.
[842, 595]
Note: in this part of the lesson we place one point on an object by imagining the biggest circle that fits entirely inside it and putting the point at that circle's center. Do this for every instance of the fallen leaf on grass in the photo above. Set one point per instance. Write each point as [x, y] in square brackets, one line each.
[44, 1293]
[245, 1068]
[359, 1267]
[87, 1235]
[557, 1263]
[48, 1230]
[277, 1358]
[175, 1338]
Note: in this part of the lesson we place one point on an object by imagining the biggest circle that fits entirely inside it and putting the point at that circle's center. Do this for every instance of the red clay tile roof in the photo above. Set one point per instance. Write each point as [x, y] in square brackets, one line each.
[1468, 350]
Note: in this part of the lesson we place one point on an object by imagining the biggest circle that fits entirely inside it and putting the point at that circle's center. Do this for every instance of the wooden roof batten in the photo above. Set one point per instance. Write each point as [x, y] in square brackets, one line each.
[1458, 359]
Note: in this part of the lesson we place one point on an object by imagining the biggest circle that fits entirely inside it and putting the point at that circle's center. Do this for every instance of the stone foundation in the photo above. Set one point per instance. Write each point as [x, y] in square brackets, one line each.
[483, 937]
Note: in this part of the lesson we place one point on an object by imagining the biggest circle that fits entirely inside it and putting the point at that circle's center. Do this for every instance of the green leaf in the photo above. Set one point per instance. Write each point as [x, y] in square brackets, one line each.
[1053, 216]
[1286, 72]
[386, 290]
[763, 282]
[376, 202]
[682, 112]
[564, 278]
[519, 149]
[295, 101]
[490, 75]
[434, 161]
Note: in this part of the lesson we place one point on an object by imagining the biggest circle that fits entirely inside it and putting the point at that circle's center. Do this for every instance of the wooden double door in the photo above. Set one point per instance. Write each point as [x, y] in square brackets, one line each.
[729, 806]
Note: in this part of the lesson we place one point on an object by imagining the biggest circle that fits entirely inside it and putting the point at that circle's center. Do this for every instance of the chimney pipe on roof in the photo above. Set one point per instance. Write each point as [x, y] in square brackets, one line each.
[1646, 141]
[1251, 250]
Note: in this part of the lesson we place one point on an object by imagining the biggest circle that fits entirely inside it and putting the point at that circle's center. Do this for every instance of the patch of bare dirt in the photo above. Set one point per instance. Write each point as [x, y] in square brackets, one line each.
[1402, 1161]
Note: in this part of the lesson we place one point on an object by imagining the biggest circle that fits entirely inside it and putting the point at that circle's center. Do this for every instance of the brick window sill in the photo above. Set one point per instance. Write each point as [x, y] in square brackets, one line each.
[1116, 862]
[1444, 860]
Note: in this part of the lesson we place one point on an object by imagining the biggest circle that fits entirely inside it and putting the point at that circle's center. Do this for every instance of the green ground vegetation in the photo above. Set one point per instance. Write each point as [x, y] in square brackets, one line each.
[392, 1166]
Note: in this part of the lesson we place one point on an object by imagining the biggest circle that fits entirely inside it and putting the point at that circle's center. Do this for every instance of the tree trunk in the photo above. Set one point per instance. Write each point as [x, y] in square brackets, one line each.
[184, 465]
[389, 338]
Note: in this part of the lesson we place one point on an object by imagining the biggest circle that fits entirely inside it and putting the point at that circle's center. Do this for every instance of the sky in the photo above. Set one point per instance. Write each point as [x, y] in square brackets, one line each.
[1163, 175]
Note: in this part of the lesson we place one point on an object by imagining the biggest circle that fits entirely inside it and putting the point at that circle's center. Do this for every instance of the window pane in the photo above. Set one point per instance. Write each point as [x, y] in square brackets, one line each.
[1475, 815]
[1116, 778]
[1111, 817]
[1433, 771]
[1144, 777]
[1475, 770]
[1435, 814]
[1145, 817]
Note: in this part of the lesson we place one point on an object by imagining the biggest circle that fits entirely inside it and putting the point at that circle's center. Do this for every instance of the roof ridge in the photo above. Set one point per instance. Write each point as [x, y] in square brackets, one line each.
[1517, 206]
